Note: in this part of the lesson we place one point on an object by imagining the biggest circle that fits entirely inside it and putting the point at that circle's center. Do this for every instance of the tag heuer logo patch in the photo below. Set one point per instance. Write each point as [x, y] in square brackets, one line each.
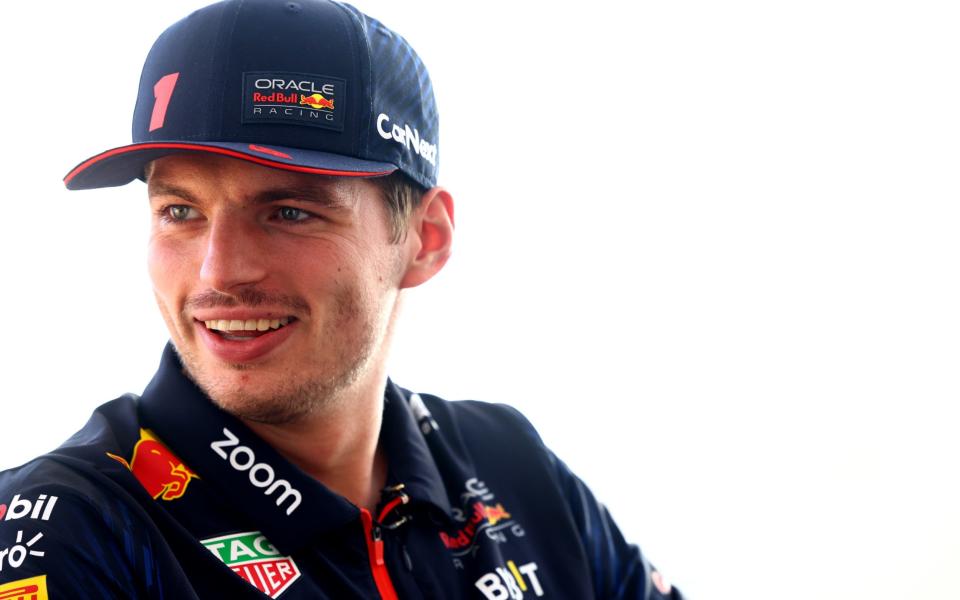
[255, 559]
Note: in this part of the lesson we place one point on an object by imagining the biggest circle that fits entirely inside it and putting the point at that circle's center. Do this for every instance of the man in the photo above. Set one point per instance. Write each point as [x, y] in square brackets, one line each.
[290, 154]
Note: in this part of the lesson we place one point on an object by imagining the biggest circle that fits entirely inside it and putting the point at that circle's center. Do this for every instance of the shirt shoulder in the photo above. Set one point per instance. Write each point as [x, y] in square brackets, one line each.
[71, 524]
[475, 416]
[492, 440]
[111, 428]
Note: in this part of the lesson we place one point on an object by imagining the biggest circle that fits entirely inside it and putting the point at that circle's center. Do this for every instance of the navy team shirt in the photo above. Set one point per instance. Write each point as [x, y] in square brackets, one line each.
[166, 496]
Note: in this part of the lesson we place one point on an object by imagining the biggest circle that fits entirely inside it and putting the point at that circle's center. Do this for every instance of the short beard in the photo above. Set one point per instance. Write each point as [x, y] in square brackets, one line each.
[291, 403]
[294, 398]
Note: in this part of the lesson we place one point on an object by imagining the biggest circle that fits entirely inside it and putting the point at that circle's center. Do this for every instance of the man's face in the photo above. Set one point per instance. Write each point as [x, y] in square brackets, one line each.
[278, 288]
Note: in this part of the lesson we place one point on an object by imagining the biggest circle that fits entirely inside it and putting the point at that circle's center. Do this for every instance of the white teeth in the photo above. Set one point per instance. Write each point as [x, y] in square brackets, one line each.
[246, 325]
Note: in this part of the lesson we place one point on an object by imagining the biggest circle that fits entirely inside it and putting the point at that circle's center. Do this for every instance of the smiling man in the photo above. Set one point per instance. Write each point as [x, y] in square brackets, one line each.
[293, 194]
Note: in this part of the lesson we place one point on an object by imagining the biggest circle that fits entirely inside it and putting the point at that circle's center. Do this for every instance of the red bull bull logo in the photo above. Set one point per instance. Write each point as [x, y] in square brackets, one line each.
[483, 515]
[317, 101]
[495, 514]
[157, 468]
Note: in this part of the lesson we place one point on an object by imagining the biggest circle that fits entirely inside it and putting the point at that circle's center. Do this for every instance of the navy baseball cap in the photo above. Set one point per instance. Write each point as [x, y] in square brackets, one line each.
[312, 86]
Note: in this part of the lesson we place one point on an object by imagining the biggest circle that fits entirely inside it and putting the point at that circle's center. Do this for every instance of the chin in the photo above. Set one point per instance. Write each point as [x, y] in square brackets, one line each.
[263, 394]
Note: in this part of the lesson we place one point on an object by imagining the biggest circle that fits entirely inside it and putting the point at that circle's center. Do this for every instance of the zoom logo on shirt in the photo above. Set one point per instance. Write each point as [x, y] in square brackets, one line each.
[261, 475]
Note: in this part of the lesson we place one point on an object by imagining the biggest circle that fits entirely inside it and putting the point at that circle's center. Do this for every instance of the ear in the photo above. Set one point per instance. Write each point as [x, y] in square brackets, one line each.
[429, 237]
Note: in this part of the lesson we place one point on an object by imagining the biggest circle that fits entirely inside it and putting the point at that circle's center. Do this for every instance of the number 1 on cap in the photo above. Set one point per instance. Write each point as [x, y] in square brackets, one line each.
[162, 91]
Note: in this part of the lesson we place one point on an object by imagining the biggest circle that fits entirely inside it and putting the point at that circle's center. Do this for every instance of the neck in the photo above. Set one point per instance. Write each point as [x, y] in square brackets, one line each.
[338, 446]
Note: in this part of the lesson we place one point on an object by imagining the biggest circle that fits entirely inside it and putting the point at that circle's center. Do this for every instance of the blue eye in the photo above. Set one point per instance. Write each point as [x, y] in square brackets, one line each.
[289, 213]
[179, 212]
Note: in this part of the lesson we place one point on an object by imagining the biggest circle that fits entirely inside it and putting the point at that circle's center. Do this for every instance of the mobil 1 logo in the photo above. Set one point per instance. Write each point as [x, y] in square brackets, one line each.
[39, 508]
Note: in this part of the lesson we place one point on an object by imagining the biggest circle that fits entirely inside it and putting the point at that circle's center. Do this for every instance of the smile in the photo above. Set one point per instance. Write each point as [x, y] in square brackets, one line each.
[245, 340]
[247, 325]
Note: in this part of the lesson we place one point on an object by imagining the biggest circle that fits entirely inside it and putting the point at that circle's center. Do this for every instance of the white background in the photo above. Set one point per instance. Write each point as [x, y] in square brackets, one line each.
[709, 248]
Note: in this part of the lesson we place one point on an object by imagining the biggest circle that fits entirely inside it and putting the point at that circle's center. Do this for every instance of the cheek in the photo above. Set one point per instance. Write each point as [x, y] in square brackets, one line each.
[169, 268]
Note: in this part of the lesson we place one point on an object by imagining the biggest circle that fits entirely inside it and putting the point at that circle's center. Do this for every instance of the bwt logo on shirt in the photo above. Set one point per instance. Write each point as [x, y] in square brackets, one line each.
[19, 508]
[510, 582]
[261, 474]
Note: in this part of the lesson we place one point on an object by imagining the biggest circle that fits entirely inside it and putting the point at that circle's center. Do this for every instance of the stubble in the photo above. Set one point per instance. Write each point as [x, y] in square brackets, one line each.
[286, 395]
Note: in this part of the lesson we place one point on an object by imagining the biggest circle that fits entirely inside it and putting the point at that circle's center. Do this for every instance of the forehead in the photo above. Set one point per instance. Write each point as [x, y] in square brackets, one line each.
[200, 173]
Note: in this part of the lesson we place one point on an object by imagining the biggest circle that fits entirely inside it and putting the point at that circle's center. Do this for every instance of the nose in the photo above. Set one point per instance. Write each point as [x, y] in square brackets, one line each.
[234, 257]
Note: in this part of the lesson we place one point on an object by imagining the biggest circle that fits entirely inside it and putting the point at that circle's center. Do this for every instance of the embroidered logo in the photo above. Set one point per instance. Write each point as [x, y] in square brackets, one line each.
[408, 137]
[293, 99]
[510, 581]
[261, 475]
[14, 556]
[479, 515]
[157, 468]
[255, 560]
[33, 588]
[22, 508]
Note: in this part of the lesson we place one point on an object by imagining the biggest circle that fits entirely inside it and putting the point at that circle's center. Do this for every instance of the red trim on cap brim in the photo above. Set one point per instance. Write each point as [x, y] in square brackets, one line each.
[216, 150]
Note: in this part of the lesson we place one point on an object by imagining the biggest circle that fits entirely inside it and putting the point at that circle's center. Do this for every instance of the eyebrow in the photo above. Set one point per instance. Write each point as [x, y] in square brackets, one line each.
[316, 194]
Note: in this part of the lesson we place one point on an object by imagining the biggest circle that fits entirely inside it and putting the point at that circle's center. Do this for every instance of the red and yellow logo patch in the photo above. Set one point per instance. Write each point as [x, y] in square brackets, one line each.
[34, 588]
[157, 468]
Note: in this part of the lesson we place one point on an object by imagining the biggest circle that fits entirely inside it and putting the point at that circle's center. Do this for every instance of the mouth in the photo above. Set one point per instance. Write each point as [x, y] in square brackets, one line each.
[242, 330]
[243, 341]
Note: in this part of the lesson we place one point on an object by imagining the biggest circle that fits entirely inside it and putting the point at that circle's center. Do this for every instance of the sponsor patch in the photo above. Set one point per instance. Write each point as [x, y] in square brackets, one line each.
[294, 99]
[255, 560]
[34, 588]
[14, 556]
[40, 508]
[479, 515]
[157, 468]
[261, 475]
[408, 137]
[510, 581]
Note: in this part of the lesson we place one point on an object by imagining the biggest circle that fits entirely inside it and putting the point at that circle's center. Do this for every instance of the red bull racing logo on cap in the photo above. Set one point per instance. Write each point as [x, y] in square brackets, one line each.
[157, 468]
[293, 99]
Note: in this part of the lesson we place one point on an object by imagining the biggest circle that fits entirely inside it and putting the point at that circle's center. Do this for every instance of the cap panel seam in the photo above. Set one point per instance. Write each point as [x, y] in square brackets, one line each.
[221, 41]
[358, 31]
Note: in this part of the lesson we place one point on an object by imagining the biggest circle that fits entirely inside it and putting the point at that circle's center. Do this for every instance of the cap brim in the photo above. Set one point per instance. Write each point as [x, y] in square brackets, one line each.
[122, 165]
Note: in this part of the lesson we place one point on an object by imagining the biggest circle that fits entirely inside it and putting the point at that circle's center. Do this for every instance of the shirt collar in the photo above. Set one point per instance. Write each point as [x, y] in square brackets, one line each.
[408, 458]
